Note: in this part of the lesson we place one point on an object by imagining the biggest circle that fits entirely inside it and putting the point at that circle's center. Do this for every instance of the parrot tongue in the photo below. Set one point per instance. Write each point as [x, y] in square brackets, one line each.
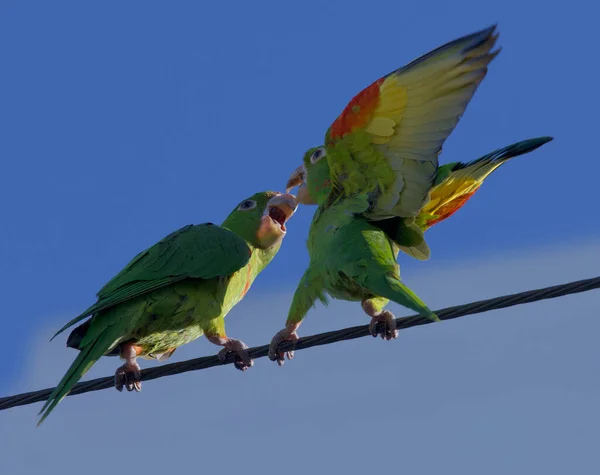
[278, 215]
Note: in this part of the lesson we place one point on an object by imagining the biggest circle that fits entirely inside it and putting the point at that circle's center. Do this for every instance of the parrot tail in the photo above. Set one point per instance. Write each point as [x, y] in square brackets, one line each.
[456, 182]
[479, 169]
[107, 338]
[390, 287]
[77, 335]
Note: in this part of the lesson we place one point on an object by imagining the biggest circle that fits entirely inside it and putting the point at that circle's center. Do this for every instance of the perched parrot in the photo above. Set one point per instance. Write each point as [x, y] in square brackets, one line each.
[382, 155]
[178, 290]
[454, 185]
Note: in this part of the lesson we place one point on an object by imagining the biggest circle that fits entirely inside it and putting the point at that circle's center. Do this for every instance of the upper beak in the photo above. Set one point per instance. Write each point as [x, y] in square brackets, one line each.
[286, 201]
[296, 178]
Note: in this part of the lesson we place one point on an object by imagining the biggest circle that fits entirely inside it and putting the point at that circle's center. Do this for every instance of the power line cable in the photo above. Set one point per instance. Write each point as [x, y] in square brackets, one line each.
[318, 340]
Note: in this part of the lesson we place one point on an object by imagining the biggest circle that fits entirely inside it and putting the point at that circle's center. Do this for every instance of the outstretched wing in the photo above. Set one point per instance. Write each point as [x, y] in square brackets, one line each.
[457, 182]
[387, 140]
[203, 251]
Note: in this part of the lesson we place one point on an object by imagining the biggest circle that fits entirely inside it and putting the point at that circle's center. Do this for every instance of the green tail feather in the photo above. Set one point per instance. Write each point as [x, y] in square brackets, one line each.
[84, 361]
[77, 335]
[77, 319]
[505, 153]
[392, 288]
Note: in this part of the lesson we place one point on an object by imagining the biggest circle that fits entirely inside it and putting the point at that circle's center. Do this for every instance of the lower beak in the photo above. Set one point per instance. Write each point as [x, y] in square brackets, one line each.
[304, 196]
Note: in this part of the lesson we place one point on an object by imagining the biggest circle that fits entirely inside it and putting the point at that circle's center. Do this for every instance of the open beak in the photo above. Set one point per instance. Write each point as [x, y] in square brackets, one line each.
[280, 209]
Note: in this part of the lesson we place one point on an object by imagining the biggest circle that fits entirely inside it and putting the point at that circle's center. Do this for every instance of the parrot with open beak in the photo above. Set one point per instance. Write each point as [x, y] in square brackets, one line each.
[178, 290]
[382, 161]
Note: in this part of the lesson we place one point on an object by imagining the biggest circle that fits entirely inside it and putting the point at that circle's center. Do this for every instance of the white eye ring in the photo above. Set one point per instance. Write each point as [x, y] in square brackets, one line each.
[317, 155]
[247, 205]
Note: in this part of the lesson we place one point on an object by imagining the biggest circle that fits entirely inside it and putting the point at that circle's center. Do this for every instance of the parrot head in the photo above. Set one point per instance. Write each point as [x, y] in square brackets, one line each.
[312, 177]
[261, 219]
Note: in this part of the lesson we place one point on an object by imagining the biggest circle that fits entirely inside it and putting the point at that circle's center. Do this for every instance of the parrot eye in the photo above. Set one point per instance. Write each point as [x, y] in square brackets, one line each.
[317, 155]
[247, 205]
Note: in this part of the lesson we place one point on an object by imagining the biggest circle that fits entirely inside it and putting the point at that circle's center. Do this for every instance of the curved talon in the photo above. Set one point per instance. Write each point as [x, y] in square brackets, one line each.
[129, 376]
[242, 360]
[389, 331]
[373, 327]
[280, 337]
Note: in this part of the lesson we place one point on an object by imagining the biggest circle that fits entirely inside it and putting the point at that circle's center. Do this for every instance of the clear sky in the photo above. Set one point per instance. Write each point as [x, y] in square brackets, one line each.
[121, 122]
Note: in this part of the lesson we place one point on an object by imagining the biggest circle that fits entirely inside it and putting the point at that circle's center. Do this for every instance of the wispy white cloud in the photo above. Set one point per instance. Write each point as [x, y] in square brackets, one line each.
[487, 392]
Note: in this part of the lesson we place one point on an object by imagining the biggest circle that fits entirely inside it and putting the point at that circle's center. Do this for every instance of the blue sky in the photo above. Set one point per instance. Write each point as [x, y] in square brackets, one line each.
[123, 122]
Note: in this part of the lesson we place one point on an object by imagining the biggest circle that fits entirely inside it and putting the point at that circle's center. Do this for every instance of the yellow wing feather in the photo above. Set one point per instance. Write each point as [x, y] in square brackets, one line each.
[387, 140]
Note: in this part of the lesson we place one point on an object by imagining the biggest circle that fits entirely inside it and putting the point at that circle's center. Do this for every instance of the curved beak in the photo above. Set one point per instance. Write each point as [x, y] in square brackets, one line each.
[296, 178]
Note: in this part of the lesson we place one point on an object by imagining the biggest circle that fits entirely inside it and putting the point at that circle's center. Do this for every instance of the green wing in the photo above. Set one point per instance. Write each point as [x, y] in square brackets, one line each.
[387, 140]
[202, 251]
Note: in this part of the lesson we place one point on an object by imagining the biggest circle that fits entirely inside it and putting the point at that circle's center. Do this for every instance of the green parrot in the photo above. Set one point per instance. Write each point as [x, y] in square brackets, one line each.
[178, 290]
[454, 185]
[382, 155]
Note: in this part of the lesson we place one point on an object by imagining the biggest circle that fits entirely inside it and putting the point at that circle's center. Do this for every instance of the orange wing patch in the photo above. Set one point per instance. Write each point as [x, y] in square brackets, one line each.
[358, 112]
[248, 282]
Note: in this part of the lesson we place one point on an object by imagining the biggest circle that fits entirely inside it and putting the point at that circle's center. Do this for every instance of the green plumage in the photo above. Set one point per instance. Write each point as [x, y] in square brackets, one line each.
[203, 251]
[382, 158]
[177, 290]
[454, 183]
[351, 259]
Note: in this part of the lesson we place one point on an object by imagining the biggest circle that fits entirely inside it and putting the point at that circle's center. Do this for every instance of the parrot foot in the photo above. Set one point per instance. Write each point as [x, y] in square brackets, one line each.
[287, 334]
[242, 359]
[129, 375]
[389, 331]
